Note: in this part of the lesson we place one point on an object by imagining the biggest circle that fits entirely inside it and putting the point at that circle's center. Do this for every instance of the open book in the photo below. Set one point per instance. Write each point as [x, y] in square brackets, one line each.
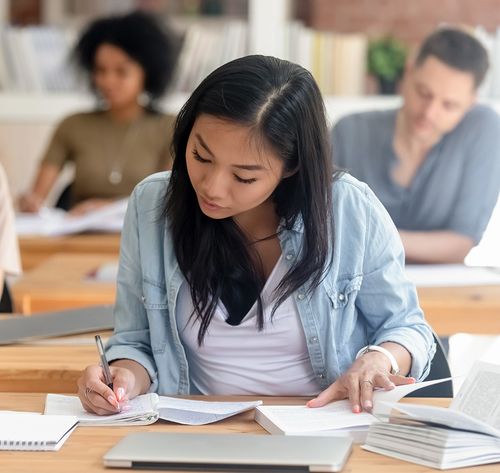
[465, 434]
[335, 418]
[32, 431]
[148, 408]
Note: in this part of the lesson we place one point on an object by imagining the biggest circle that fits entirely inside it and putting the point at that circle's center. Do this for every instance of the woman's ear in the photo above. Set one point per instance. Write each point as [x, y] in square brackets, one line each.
[289, 173]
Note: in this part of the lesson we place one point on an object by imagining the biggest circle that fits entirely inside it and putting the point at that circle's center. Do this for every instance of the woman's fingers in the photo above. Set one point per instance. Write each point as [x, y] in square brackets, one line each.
[94, 394]
[366, 393]
[334, 392]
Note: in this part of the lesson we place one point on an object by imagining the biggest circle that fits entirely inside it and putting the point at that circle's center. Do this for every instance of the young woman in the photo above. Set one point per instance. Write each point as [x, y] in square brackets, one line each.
[251, 268]
[129, 61]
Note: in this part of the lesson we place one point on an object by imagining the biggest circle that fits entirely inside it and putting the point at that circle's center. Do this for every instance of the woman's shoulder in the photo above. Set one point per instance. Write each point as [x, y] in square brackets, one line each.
[153, 187]
[347, 188]
[160, 119]
[80, 119]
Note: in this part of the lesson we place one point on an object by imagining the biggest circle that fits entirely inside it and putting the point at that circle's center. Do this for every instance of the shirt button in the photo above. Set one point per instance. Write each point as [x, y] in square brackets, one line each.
[341, 297]
[313, 339]
[321, 376]
[289, 256]
[300, 296]
[143, 299]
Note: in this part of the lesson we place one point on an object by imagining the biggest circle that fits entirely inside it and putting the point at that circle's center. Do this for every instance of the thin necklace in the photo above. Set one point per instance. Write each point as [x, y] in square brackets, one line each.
[268, 237]
[115, 173]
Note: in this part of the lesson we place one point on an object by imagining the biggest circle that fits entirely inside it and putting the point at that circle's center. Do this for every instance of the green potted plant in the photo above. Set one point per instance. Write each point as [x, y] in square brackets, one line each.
[386, 61]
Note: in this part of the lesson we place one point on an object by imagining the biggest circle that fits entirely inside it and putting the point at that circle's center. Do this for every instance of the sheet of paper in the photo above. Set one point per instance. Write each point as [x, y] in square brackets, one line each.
[52, 222]
[399, 392]
[140, 410]
[449, 275]
[191, 412]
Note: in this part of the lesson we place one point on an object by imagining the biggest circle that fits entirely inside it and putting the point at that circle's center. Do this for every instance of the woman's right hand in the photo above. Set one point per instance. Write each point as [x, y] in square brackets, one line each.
[96, 397]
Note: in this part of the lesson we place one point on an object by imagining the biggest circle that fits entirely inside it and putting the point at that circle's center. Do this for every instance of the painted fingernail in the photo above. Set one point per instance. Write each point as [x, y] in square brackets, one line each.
[356, 409]
[112, 400]
[120, 392]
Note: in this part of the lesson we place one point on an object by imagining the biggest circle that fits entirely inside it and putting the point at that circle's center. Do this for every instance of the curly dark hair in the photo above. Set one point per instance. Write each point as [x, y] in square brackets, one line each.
[153, 45]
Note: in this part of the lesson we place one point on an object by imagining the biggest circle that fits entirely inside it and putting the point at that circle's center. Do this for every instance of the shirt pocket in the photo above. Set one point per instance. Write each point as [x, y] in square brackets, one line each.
[343, 292]
[155, 302]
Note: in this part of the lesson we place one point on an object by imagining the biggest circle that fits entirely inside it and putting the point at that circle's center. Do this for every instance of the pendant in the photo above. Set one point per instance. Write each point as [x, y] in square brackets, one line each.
[115, 177]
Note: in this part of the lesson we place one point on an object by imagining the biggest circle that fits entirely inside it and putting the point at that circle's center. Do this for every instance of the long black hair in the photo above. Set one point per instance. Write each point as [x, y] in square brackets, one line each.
[281, 104]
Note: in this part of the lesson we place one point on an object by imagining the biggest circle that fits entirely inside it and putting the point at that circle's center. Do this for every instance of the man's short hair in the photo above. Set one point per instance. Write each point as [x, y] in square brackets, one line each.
[457, 49]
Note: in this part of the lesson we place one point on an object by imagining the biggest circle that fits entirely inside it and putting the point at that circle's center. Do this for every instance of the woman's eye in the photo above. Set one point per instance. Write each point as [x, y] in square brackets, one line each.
[244, 181]
[199, 158]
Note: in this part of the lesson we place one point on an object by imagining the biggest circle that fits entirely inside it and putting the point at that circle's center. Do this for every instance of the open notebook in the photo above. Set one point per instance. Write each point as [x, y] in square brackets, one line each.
[148, 408]
[32, 431]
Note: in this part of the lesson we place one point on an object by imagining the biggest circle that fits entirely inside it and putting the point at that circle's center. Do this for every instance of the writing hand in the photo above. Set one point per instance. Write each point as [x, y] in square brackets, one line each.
[97, 397]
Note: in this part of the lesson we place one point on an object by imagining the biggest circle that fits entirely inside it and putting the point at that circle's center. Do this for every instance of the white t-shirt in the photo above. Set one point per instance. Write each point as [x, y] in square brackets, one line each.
[238, 360]
[10, 261]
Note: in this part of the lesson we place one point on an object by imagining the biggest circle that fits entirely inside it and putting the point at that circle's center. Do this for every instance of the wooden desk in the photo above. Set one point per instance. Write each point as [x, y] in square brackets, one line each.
[36, 249]
[51, 365]
[83, 451]
[62, 282]
[474, 309]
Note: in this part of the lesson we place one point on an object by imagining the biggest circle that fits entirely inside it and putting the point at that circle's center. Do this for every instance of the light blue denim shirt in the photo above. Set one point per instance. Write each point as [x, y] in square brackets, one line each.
[363, 299]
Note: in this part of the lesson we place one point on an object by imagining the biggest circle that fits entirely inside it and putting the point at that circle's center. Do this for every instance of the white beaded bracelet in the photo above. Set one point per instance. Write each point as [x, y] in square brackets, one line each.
[387, 353]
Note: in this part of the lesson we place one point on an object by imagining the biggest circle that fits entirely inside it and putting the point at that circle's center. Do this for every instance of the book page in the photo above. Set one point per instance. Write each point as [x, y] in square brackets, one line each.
[479, 396]
[190, 412]
[336, 415]
[140, 410]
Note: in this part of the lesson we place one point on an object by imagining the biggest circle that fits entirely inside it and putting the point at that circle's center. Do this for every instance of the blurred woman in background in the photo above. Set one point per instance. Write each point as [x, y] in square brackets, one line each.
[129, 60]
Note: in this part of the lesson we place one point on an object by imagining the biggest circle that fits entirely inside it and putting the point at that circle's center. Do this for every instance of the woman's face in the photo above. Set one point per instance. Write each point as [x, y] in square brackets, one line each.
[231, 175]
[117, 76]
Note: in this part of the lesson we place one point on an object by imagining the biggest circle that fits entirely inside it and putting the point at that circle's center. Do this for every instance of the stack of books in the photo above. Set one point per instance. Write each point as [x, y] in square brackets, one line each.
[465, 434]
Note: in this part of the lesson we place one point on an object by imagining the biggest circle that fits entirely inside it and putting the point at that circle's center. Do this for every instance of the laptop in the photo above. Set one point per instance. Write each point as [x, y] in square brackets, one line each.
[234, 452]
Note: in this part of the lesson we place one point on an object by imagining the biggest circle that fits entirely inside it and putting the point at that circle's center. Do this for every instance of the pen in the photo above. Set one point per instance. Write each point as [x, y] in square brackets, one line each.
[104, 362]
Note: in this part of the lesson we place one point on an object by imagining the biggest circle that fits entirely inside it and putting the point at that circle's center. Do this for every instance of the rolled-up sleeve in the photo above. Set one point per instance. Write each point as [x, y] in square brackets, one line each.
[131, 337]
[387, 300]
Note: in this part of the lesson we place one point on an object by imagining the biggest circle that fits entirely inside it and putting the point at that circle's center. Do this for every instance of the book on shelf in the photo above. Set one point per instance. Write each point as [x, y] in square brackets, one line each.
[335, 419]
[465, 434]
[148, 408]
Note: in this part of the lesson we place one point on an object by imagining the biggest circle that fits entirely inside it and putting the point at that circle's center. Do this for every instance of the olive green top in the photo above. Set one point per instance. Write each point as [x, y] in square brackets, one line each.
[110, 157]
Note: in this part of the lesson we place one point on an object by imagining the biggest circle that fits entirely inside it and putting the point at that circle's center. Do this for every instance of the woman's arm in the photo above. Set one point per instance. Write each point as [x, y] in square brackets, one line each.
[387, 304]
[33, 200]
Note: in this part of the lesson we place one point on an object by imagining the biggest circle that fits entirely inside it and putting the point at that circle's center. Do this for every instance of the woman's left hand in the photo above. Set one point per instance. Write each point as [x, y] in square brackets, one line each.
[89, 205]
[357, 383]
